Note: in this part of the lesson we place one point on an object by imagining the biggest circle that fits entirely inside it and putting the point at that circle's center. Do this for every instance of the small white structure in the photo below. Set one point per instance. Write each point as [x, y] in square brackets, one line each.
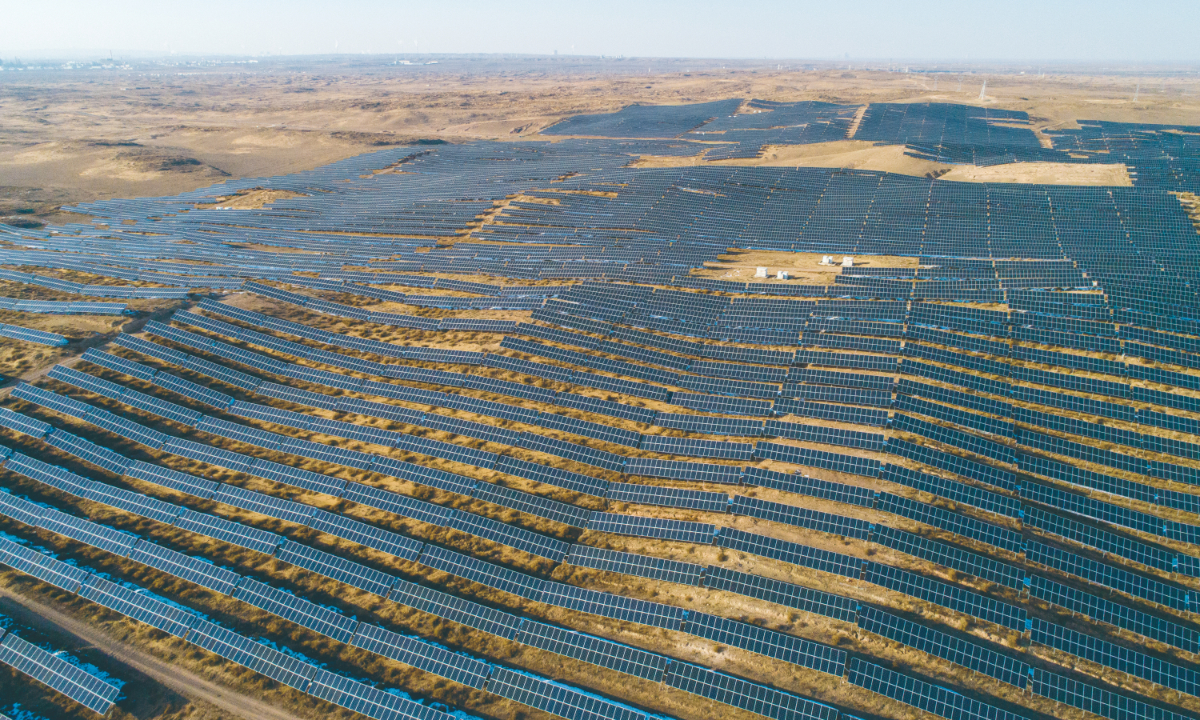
[826, 259]
[760, 273]
[847, 261]
[781, 275]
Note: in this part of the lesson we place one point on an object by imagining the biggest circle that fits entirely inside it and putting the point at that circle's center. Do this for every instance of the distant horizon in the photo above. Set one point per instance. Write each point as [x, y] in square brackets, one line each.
[864, 64]
[1072, 31]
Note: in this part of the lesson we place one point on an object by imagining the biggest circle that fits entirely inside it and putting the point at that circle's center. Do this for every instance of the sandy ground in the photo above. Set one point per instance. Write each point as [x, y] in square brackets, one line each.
[68, 137]
[194, 688]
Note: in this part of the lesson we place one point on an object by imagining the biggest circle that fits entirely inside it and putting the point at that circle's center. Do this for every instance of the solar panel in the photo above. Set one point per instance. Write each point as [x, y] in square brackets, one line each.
[43, 567]
[369, 701]
[58, 674]
[1106, 611]
[317, 618]
[471, 614]
[963, 525]
[367, 535]
[789, 595]
[800, 517]
[1107, 575]
[650, 527]
[140, 606]
[336, 568]
[949, 556]
[23, 424]
[593, 650]
[948, 647]
[564, 513]
[1095, 699]
[228, 531]
[948, 596]
[508, 535]
[87, 532]
[609, 605]
[554, 698]
[1117, 657]
[196, 570]
[422, 655]
[136, 503]
[284, 668]
[631, 564]
[746, 695]
[480, 571]
[173, 479]
[922, 695]
[762, 641]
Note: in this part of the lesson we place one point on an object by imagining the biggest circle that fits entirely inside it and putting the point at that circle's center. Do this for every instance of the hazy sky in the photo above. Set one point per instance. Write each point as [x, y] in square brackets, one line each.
[1089, 30]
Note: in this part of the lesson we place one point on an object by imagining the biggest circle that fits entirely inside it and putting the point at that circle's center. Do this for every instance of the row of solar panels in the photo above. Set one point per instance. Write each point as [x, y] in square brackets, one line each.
[325, 621]
[61, 308]
[41, 337]
[112, 291]
[55, 669]
[859, 396]
[940, 374]
[694, 532]
[732, 474]
[715, 368]
[274, 599]
[966, 527]
[976, 657]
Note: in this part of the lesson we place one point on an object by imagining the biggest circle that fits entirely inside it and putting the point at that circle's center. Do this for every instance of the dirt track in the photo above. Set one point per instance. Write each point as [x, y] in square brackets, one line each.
[177, 679]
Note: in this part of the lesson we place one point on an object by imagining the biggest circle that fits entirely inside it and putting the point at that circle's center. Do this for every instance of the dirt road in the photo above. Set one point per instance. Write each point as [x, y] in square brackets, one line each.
[177, 679]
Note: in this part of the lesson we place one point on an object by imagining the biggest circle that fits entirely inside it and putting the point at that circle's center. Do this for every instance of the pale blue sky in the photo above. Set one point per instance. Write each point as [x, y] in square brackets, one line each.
[1085, 30]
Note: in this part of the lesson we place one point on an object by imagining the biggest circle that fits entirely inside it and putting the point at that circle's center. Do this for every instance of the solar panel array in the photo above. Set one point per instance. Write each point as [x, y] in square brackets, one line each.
[945, 435]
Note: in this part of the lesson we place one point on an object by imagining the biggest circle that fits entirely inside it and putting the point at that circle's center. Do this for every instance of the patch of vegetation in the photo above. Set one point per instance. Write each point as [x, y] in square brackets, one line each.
[26, 224]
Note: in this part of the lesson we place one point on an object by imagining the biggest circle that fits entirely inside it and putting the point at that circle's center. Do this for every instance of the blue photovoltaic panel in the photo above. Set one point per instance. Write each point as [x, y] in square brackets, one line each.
[795, 553]
[286, 669]
[88, 532]
[386, 541]
[659, 528]
[422, 655]
[1107, 575]
[228, 531]
[43, 567]
[337, 568]
[948, 647]
[196, 570]
[919, 694]
[1094, 699]
[173, 479]
[317, 618]
[593, 650]
[369, 701]
[604, 604]
[947, 596]
[58, 674]
[949, 556]
[508, 535]
[781, 593]
[631, 564]
[1117, 657]
[480, 571]
[465, 612]
[140, 606]
[554, 698]
[1106, 611]
[746, 695]
[762, 641]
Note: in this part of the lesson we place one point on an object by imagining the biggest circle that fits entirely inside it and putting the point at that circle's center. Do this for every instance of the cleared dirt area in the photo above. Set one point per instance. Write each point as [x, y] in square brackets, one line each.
[1043, 173]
